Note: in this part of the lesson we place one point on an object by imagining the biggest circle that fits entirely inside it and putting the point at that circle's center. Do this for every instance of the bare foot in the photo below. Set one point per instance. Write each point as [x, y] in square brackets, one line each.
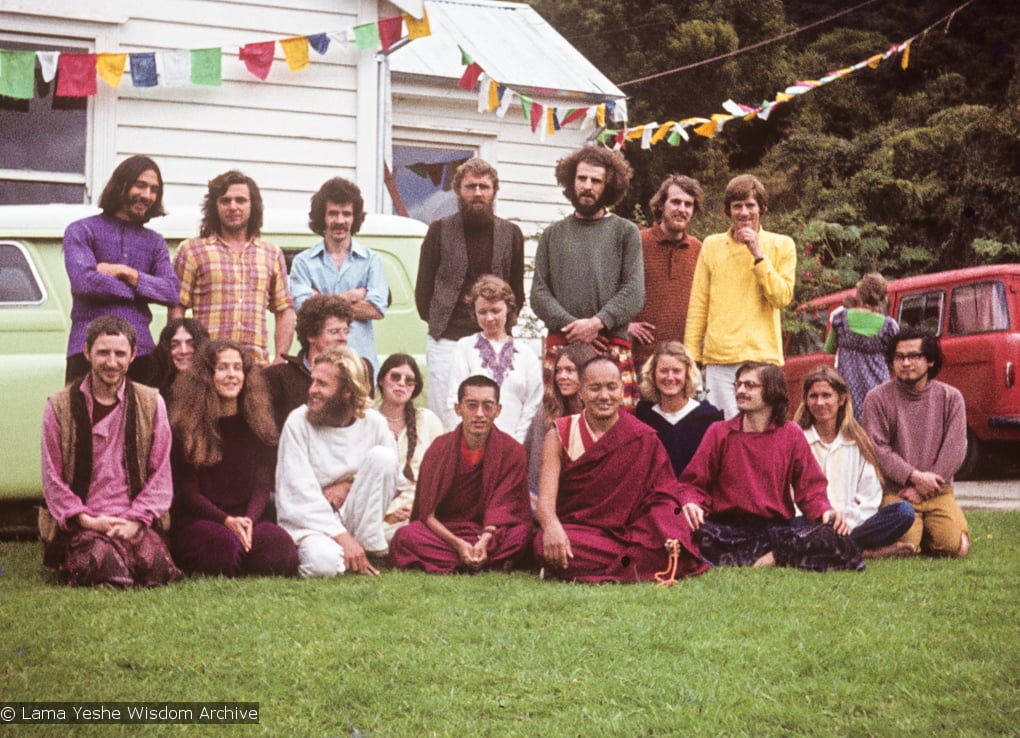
[900, 548]
[964, 546]
[768, 559]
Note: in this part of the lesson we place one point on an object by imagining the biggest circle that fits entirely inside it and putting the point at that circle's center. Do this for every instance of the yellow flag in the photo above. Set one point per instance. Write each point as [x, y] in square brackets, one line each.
[417, 28]
[295, 49]
[493, 95]
[550, 126]
[906, 56]
[874, 61]
[600, 116]
[661, 133]
[110, 67]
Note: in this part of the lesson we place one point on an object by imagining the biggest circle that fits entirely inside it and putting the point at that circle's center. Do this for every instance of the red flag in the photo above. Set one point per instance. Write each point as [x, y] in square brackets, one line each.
[389, 31]
[435, 173]
[258, 57]
[573, 115]
[76, 75]
[536, 116]
[470, 77]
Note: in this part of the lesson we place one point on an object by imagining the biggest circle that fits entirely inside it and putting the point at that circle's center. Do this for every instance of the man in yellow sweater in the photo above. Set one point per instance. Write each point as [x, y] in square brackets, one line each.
[743, 279]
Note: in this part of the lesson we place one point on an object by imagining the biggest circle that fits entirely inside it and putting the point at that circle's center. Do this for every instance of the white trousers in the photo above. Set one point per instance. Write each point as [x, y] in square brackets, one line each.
[439, 357]
[719, 380]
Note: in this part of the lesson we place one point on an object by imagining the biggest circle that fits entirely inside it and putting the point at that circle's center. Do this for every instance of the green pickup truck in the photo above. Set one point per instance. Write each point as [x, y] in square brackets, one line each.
[35, 307]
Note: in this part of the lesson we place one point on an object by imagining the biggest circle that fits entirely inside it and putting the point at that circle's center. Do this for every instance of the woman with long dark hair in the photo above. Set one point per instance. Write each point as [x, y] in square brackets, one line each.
[223, 462]
[414, 428]
[180, 341]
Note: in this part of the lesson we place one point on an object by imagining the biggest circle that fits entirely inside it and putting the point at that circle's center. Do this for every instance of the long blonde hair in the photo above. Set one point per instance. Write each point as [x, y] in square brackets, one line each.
[846, 425]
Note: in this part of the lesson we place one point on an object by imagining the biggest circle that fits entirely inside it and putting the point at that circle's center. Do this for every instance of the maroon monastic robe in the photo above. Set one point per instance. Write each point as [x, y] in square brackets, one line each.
[466, 500]
[619, 503]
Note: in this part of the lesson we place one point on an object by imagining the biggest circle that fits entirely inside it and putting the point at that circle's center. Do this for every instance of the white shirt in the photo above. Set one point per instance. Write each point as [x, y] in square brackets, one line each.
[854, 488]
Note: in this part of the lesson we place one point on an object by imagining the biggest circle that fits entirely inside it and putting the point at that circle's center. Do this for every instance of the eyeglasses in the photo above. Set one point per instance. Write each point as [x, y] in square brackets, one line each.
[746, 383]
[407, 379]
[908, 357]
[337, 331]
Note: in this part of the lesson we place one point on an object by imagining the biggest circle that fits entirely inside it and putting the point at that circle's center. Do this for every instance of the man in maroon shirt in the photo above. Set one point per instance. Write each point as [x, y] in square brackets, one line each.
[472, 510]
[670, 254]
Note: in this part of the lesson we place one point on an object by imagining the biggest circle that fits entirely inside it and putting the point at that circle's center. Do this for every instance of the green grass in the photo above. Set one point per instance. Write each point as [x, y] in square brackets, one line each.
[909, 647]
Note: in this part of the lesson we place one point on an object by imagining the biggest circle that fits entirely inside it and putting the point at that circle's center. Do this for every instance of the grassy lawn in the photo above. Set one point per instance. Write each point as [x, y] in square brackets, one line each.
[918, 647]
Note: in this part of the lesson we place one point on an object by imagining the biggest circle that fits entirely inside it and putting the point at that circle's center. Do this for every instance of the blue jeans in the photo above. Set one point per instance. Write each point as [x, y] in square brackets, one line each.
[884, 527]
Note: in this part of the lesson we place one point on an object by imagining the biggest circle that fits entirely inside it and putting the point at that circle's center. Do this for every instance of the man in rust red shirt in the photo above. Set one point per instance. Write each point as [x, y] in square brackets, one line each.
[670, 255]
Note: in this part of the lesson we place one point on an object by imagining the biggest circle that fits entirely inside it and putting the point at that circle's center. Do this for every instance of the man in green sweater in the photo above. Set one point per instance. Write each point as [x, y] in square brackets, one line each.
[743, 280]
[589, 271]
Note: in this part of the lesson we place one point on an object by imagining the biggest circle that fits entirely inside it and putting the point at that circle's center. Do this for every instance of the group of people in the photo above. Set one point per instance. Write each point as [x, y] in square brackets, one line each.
[582, 464]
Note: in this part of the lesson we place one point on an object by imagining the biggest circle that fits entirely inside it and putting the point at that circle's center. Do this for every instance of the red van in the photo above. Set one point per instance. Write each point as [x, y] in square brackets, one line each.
[975, 313]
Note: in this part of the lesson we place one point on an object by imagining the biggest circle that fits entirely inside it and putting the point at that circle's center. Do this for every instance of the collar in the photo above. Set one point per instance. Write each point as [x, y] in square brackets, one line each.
[86, 389]
[663, 239]
[319, 249]
[811, 434]
[214, 239]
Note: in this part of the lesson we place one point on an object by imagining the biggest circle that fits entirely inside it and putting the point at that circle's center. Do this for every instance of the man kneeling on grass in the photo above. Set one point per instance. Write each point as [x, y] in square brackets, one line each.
[336, 471]
[736, 489]
[608, 501]
[472, 510]
[106, 469]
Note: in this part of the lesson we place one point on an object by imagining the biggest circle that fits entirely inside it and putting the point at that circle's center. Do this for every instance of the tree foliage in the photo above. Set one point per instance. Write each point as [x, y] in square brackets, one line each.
[904, 171]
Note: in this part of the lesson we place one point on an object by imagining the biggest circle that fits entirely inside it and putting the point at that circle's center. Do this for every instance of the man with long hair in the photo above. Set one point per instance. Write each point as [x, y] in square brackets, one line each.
[117, 266]
[743, 279]
[919, 428]
[736, 491]
[230, 277]
[589, 275]
[670, 256]
[336, 472]
[106, 469]
[340, 265]
[457, 250]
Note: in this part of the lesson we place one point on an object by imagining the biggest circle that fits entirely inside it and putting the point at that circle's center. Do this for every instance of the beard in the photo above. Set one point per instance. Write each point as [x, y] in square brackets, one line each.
[476, 217]
[584, 209]
[333, 413]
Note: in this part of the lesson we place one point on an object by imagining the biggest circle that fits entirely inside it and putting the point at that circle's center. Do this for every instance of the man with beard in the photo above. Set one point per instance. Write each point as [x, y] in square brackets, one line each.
[457, 250]
[608, 501]
[230, 277]
[339, 265]
[743, 280]
[670, 255]
[116, 266]
[739, 490]
[589, 276]
[919, 429]
[336, 472]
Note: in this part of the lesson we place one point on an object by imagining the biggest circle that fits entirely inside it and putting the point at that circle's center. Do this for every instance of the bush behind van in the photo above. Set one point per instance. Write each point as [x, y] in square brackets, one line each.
[35, 309]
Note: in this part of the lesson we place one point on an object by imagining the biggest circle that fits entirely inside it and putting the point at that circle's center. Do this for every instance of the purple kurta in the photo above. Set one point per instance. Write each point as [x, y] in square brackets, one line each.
[107, 239]
[619, 503]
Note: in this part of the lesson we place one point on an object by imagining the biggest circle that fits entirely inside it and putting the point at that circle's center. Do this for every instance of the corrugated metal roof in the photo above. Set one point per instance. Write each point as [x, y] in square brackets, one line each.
[511, 42]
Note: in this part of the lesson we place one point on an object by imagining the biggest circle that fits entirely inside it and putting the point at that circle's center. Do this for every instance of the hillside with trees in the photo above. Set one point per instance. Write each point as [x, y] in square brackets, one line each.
[903, 171]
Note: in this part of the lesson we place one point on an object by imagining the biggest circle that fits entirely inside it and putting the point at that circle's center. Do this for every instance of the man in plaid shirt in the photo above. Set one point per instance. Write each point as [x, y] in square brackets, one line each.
[230, 277]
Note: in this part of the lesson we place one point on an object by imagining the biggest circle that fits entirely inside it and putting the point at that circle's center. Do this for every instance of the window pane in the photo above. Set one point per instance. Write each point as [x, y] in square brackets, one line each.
[17, 282]
[923, 311]
[424, 178]
[978, 308]
[20, 192]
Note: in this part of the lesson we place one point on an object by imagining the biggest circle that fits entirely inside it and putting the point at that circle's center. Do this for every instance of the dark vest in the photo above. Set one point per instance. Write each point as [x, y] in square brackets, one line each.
[453, 266]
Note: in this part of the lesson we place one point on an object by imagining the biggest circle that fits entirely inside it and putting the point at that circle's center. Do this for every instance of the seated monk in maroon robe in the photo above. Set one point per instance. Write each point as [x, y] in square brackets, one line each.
[472, 509]
[608, 500]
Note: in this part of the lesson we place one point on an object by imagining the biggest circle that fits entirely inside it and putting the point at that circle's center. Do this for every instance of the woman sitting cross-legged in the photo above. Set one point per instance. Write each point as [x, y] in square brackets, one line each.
[669, 380]
[846, 455]
[223, 462]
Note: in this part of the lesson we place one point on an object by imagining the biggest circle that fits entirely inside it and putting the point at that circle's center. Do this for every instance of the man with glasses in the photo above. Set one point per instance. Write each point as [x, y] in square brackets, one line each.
[919, 428]
[457, 250]
[323, 321]
[736, 491]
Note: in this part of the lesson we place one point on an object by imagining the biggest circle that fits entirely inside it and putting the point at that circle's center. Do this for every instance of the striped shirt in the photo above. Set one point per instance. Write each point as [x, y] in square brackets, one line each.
[229, 292]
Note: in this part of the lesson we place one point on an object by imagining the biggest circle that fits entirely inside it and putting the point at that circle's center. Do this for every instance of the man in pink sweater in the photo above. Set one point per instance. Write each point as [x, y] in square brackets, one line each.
[919, 428]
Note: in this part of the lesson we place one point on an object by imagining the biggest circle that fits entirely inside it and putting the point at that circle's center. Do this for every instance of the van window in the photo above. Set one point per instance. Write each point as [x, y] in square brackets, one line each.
[19, 283]
[923, 311]
[807, 334]
[978, 308]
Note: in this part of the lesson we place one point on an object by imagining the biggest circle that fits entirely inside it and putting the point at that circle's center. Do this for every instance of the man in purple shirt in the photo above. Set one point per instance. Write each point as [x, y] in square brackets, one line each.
[116, 266]
[106, 469]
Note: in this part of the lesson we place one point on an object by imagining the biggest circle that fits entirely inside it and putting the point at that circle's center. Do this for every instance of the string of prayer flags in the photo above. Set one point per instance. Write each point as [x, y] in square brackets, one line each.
[79, 72]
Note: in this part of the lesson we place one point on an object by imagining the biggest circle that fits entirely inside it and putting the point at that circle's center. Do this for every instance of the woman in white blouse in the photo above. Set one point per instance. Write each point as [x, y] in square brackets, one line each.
[414, 428]
[847, 457]
[494, 353]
